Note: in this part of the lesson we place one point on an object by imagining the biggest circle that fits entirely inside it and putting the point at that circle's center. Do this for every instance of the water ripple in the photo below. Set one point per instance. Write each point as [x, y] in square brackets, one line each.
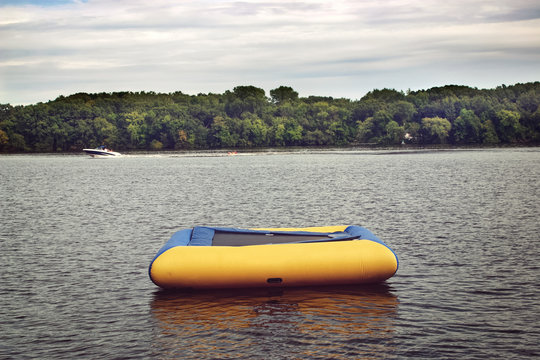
[77, 235]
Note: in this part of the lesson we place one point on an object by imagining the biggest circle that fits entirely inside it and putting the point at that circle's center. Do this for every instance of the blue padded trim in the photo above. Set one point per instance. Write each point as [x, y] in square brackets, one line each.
[249, 231]
[202, 236]
[352, 232]
[364, 233]
[179, 238]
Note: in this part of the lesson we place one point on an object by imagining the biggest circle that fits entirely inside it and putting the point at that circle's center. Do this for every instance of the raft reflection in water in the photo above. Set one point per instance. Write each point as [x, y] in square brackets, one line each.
[328, 322]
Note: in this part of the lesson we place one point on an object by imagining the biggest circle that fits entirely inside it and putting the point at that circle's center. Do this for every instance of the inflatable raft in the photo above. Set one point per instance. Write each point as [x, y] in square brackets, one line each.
[215, 257]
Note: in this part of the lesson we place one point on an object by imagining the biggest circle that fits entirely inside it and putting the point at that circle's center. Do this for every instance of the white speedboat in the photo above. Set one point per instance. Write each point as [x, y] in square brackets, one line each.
[101, 152]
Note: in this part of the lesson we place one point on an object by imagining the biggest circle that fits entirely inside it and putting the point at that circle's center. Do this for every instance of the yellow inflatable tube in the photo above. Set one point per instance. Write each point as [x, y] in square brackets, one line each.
[272, 257]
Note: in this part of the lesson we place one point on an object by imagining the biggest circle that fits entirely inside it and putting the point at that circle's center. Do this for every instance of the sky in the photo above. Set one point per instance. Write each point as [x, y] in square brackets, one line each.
[338, 48]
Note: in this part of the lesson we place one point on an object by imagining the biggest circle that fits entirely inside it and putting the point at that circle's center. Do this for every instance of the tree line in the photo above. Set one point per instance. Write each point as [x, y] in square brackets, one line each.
[247, 118]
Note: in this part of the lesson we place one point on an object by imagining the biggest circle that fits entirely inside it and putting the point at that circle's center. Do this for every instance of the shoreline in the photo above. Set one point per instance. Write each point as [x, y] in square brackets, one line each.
[231, 152]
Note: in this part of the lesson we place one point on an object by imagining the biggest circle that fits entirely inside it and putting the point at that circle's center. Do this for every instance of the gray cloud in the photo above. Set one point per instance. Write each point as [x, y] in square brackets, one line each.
[337, 48]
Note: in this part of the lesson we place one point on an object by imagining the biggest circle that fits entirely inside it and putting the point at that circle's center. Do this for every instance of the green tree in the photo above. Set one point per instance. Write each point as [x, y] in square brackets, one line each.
[373, 129]
[18, 143]
[534, 125]
[364, 131]
[278, 132]
[435, 130]
[246, 117]
[394, 133]
[338, 132]
[402, 111]
[105, 131]
[528, 102]
[245, 99]
[220, 134]
[317, 137]
[257, 132]
[293, 135]
[366, 108]
[489, 135]
[467, 128]
[283, 94]
[508, 125]
[246, 92]
[449, 107]
[136, 129]
[385, 95]
[4, 139]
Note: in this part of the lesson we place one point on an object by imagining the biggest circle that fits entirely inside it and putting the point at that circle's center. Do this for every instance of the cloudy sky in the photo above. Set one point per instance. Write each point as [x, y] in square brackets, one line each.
[339, 48]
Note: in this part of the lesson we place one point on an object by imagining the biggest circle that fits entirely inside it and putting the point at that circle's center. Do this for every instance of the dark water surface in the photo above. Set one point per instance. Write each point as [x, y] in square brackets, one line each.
[77, 235]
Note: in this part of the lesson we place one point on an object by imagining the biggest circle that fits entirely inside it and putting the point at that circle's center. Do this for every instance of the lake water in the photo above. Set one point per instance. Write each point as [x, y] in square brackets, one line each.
[77, 235]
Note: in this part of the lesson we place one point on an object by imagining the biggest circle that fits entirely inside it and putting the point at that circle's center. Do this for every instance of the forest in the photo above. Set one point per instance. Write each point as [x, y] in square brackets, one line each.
[247, 118]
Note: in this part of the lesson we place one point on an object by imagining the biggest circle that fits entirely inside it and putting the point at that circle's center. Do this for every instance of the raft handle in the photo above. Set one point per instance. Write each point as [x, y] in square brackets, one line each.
[274, 280]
